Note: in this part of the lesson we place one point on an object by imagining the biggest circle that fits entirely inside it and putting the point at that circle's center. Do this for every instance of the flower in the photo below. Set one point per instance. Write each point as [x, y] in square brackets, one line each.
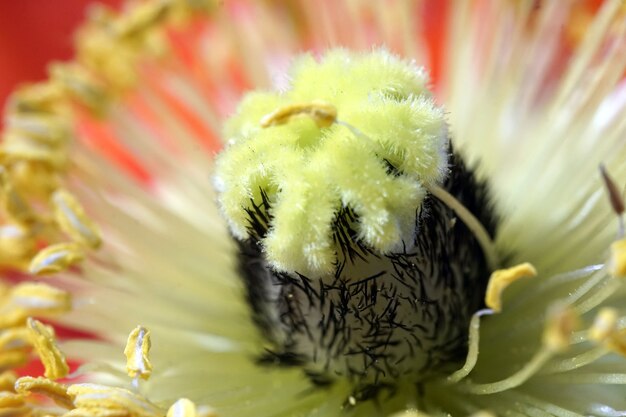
[109, 167]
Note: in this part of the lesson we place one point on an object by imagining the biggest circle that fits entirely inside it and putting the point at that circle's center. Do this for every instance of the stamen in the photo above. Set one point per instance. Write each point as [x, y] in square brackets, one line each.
[36, 299]
[45, 97]
[50, 129]
[574, 362]
[81, 85]
[17, 245]
[556, 338]
[16, 147]
[410, 413]
[95, 400]
[137, 349]
[501, 279]
[473, 343]
[186, 408]
[92, 400]
[140, 19]
[71, 218]
[33, 155]
[32, 299]
[530, 368]
[560, 325]
[44, 386]
[604, 325]
[42, 339]
[323, 114]
[9, 400]
[13, 204]
[472, 223]
[133, 36]
[601, 293]
[483, 413]
[417, 413]
[605, 330]
[7, 380]
[56, 258]
[10, 359]
[14, 338]
[617, 262]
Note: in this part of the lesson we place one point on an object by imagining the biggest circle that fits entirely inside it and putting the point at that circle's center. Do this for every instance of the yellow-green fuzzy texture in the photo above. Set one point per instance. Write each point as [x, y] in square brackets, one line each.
[386, 116]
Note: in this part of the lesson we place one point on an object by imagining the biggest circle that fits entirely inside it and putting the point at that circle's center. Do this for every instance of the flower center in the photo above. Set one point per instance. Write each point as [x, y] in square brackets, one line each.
[378, 319]
[364, 239]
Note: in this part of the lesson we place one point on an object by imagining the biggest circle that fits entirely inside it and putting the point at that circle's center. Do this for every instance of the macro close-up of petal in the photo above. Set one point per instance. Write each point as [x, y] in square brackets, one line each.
[295, 208]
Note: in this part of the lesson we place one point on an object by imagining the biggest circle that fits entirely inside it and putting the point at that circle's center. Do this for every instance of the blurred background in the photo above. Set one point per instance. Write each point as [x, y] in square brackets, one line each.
[33, 33]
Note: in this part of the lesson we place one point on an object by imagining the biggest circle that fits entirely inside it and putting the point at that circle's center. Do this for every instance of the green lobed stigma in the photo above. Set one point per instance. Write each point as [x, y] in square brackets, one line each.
[285, 184]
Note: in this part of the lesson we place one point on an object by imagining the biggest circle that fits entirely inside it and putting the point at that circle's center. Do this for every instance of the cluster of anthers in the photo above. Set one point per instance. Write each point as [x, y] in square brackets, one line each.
[563, 320]
[44, 396]
[22, 335]
[44, 228]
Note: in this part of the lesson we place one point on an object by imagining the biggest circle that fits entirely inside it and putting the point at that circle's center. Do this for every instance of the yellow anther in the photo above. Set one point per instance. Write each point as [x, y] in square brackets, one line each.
[97, 412]
[12, 203]
[34, 178]
[205, 411]
[409, 413]
[16, 147]
[17, 245]
[322, 113]
[501, 279]
[186, 408]
[71, 218]
[14, 338]
[56, 258]
[30, 299]
[95, 47]
[7, 381]
[42, 339]
[604, 325]
[560, 324]
[53, 390]
[483, 413]
[417, 413]
[605, 330]
[140, 19]
[617, 263]
[80, 84]
[40, 299]
[10, 318]
[43, 97]
[183, 10]
[50, 129]
[136, 351]
[10, 400]
[130, 37]
[10, 359]
[95, 400]
[617, 342]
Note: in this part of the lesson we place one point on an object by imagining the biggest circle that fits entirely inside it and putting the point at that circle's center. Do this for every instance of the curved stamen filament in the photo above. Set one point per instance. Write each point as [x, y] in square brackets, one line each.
[472, 223]
[531, 368]
[472, 353]
[556, 338]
